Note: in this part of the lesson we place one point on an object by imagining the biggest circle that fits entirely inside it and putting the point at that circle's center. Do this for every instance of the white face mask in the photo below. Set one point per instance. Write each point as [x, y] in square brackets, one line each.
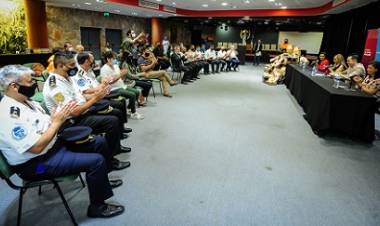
[71, 49]
[133, 35]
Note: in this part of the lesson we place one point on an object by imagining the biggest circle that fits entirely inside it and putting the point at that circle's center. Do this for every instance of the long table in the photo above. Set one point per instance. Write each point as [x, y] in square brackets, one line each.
[331, 110]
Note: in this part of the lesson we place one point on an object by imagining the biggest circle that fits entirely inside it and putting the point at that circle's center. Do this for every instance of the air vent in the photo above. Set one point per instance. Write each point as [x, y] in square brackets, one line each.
[148, 4]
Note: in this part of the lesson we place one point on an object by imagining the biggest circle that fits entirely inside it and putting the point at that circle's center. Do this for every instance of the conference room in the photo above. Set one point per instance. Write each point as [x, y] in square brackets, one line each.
[202, 112]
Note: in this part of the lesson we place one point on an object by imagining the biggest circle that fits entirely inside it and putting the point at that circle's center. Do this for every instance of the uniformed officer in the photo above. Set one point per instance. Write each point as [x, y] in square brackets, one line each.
[28, 140]
[85, 82]
[59, 90]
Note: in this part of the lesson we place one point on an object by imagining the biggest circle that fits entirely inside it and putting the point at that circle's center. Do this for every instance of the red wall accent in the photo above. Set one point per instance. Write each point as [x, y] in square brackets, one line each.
[239, 13]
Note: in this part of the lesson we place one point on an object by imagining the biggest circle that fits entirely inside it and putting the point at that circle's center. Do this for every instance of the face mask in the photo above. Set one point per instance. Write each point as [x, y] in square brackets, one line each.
[133, 35]
[27, 91]
[115, 62]
[72, 71]
[93, 64]
[147, 54]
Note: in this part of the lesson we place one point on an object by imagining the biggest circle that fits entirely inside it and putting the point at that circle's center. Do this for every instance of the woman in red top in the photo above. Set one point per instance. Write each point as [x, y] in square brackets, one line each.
[323, 63]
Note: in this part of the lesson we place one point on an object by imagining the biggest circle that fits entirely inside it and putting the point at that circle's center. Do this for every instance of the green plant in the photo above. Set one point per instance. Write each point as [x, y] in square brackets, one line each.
[13, 30]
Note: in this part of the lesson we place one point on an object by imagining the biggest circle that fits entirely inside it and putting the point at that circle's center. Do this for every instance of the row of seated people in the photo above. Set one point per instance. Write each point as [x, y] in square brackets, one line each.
[55, 139]
[350, 70]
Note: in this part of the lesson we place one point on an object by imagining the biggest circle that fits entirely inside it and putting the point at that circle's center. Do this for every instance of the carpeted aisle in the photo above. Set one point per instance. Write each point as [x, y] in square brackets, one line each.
[227, 150]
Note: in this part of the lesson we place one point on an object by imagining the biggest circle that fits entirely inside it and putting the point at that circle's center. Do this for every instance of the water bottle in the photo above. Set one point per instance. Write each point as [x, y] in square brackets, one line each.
[313, 71]
[336, 82]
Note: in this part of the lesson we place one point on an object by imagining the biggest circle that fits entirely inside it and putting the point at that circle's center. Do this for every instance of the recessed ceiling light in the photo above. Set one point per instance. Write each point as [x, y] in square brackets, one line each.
[159, 0]
[205, 5]
[247, 1]
[224, 4]
[234, 7]
[271, 0]
[100, 1]
[116, 10]
[173, 3]
[87, 3]
[284, 7]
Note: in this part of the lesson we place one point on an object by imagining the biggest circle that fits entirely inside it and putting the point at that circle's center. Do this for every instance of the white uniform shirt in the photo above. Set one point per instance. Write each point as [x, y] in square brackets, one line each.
[210, 54]
[84, 80]
[221, 54]
[110, 72]
[21, 128]
[60, 91]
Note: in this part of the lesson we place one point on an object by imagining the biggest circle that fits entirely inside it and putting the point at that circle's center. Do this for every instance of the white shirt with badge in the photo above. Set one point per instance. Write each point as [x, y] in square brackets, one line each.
[59, 91]
[84, 80]
[21, 128]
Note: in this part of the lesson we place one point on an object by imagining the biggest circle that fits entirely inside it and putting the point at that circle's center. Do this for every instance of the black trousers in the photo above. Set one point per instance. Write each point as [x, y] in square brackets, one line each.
[214, 65]
[145, 86]
[91, 157]
[162, 65]
[109, 125]
[121, 106]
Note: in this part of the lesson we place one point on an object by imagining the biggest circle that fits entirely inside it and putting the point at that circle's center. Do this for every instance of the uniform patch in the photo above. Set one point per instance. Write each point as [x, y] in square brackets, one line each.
[52, 81]
[58, 97]
[19, 133]
[14, 112]
[81, 82]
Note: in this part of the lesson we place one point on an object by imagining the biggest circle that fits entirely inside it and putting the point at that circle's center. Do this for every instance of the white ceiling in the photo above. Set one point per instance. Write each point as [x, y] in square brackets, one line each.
[102, 5]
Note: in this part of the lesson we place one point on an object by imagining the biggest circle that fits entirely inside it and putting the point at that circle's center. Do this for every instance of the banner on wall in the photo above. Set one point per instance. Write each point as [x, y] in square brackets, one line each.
[372, 47]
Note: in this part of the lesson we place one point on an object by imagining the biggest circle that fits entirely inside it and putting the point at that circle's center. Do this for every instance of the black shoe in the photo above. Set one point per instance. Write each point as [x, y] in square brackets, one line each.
[197, 77]
[116, 183]
[104, 211]
[127, 130]
[124, 136]
[119, 165]
[124, 149]
[184, 83]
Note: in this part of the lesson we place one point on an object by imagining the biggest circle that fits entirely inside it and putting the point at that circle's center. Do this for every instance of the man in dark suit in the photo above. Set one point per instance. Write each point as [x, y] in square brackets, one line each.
[257, 53]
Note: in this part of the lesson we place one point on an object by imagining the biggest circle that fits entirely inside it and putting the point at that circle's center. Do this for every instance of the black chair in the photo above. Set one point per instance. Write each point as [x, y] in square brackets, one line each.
[6, 173]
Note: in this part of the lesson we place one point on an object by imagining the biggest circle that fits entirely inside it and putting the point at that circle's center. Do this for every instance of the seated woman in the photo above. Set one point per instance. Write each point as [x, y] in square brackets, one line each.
[339, 65]
[115, 77]
[303, 60]
[323, 63]
[371, 83]
[275, 72]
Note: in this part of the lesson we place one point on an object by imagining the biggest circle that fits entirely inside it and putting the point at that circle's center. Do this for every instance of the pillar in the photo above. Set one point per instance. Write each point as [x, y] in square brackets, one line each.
[36, 24]
[157, 30]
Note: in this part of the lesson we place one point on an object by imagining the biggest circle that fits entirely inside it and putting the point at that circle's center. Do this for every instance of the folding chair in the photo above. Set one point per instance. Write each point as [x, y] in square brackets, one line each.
[6, 172]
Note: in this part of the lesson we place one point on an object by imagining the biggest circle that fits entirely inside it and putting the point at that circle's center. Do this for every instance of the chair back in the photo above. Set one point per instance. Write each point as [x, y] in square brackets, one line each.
[5, 169]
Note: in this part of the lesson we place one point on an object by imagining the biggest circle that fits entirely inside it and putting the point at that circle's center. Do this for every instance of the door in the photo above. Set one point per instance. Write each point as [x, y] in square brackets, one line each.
[90, 39]
[113, 37]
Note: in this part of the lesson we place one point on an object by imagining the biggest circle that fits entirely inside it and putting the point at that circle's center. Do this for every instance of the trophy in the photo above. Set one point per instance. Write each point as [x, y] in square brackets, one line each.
[245, 35]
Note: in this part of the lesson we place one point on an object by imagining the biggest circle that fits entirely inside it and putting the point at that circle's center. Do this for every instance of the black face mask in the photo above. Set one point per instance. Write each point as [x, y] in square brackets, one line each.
[72, 71]
[93, 65]
[147, 54]
[27, 91]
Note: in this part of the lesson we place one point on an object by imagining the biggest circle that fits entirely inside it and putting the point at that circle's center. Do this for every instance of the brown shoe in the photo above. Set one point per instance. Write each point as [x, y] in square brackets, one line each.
[167, 95]
[173, 83]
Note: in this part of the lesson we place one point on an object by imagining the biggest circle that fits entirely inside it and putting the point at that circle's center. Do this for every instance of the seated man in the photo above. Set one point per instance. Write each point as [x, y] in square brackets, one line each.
[274, 73]
[211, 58]
[221, 55]
[86, 84]
[178, 65]
[146, 63]
[355, 70]
[29, 142]
[163, 61]
[231, 56]
[60, 90]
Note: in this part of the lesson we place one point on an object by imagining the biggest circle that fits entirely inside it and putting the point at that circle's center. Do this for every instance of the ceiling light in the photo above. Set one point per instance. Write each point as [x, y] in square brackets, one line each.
[173, 3]
[224, 4]
[205, 5]
[87, 3]
[284, 7]
[234, 7]
[271, 0]
[247, 1]
[116, 10]
[100, 1]
[159, 0]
